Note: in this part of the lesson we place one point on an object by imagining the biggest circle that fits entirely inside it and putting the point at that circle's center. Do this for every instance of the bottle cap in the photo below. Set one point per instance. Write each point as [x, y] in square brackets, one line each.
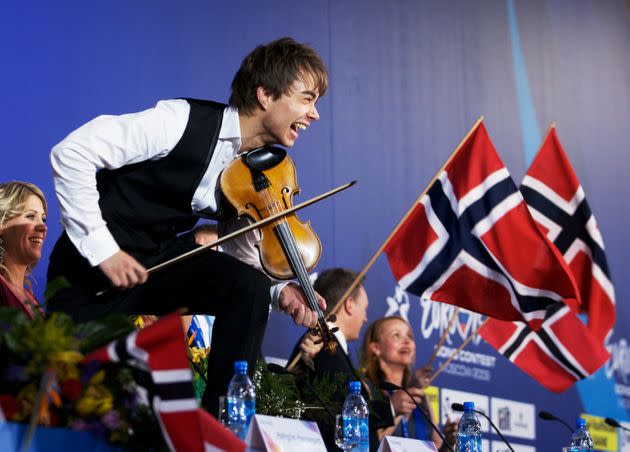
[580, 422]
[355, 386]
[469, 406]
[240, 366]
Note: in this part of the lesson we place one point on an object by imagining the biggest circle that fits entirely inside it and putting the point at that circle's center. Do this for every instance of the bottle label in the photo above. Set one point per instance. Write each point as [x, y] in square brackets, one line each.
[468, 443]
[240, 413]
[250, 411]
[356, 432]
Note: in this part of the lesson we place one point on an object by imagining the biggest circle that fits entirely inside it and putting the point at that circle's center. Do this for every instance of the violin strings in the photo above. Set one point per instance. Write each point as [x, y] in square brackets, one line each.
[273, 208]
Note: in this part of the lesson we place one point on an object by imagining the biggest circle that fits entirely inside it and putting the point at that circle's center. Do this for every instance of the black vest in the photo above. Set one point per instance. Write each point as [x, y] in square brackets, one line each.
[146, 205]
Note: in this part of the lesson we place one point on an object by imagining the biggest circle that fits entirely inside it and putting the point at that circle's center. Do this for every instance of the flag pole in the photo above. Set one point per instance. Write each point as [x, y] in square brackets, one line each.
[443, 338]
[367, 266]
[552, 127]
[453, 355]
[44, 388]
[404, 218]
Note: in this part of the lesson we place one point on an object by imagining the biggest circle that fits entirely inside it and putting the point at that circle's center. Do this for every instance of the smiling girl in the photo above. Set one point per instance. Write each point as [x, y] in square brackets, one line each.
[389, 353]
[22, 232]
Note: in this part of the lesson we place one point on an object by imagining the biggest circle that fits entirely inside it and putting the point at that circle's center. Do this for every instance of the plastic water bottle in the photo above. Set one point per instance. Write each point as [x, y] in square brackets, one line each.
[581, 438]
[469, 430]
[356, 431]
[241, 400]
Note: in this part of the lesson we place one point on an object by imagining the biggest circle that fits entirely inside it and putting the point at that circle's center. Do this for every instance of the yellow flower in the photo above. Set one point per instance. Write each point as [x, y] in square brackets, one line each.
[25, 400]
[98, 378]
[138, 321]
[96, 399]
[69, 356]
[65, 364]
[199, 353]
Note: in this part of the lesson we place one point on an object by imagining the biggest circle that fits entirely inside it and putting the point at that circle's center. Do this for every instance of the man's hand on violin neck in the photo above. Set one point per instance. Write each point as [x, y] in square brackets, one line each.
[123, 271]
[309, 346]
[293, 302]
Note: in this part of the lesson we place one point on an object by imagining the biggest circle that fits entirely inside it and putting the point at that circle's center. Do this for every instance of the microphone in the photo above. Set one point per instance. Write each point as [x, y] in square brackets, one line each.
[615, 423]
[392, 387]
[550, 417]
[460, 407]
[277, 369]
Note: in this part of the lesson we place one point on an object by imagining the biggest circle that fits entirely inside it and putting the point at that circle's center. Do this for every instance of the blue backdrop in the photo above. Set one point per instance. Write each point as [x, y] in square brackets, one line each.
[408, 78]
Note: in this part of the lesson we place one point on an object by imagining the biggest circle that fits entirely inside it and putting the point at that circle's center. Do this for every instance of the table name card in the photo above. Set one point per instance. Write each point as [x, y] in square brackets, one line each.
[398, 444]
[278, 434]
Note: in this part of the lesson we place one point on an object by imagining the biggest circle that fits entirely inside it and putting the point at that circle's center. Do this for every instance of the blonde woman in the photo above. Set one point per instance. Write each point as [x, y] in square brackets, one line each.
[389, 351]
[22, 233]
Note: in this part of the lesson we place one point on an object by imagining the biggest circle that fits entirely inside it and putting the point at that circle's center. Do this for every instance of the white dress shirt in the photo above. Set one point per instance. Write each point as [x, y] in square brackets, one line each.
[341, 338]
[114, 141]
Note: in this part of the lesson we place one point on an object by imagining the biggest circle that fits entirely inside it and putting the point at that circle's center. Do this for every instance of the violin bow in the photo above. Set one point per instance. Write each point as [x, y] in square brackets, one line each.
[245, 230]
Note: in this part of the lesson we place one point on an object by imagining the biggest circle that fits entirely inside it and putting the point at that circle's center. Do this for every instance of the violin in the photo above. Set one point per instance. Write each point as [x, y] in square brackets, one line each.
[261, 183]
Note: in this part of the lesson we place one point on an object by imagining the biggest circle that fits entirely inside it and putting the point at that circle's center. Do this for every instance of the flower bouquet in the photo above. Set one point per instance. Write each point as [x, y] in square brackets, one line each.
[45, 380]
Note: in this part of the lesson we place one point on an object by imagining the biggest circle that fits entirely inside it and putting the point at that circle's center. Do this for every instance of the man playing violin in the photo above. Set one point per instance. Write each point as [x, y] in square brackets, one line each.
[132, 187]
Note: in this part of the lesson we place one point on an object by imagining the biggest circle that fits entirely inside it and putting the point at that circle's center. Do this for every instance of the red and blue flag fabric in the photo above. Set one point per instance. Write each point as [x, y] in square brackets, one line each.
[470, 241]
[157, 355]
[557, 202]
[560, 353]
[573, 352]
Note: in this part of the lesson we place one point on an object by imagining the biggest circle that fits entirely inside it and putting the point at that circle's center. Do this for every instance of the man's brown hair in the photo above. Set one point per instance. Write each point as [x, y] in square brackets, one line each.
[333, 283]
[275, 67]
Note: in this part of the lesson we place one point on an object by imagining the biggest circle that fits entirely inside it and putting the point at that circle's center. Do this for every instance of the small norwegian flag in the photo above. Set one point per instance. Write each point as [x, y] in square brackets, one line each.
[159, 351]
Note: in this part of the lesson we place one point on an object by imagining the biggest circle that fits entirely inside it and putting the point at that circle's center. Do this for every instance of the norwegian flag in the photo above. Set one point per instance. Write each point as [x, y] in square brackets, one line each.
[157, 354]
[560, 353]
[558, 204]
[470, 241]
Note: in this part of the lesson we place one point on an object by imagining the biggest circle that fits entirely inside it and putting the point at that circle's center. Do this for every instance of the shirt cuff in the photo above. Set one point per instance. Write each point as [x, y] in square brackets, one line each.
[98, 246]
[275, 295]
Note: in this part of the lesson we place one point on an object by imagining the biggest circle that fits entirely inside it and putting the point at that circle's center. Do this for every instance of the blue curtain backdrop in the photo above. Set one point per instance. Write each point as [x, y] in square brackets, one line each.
[408, 78]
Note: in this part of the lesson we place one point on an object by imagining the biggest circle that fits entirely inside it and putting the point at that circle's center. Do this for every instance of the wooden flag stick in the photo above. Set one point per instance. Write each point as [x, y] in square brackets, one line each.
[367, 266]
[443, 338]
[453, 355]
[404, 218]
[42, 393]
[550, 130]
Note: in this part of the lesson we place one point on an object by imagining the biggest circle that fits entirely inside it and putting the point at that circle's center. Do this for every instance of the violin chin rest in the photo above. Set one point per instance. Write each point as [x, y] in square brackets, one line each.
[264, 158]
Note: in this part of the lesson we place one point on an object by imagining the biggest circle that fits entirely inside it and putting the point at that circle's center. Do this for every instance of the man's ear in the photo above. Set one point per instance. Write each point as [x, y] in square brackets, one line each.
[348, 305]
[263, 98]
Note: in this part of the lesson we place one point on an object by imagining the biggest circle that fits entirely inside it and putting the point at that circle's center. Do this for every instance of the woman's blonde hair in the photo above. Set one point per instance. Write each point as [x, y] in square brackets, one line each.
[370, 363]
[13, 196]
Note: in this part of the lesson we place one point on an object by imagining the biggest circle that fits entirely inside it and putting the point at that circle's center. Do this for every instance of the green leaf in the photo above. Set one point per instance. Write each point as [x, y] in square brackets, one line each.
[55, 285]
[12, 316]
[100, 332]
[12, 323]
